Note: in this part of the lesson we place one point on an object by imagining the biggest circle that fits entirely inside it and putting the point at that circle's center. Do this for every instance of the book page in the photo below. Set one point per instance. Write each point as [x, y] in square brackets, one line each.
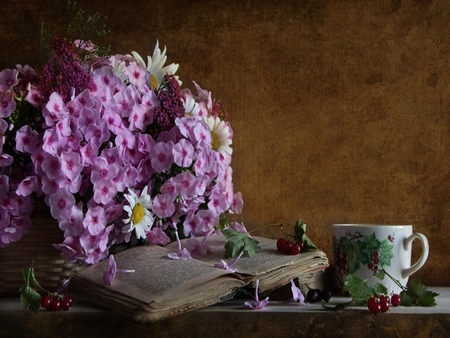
[268, 259]
[157, 278]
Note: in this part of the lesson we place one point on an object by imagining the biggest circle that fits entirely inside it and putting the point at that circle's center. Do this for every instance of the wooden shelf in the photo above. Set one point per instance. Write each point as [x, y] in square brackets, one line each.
[230, 319]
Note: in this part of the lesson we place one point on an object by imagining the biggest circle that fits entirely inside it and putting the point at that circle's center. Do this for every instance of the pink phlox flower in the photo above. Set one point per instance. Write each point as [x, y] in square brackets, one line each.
[237, 204]
[51, 186]
[34, 96]
[161, 156]
[8, 79]
[202, 133]
[124, 102]
[239, 227]
[297, 295]
[113, 120]
[27, 140]
[73, 186]
[196, 247]
[88, 153]
[51, 141]
[95, 220]
[186, 184]
[145, 143]
[61, 203]
[63, 127]
[125, 140]
[38, 157]
[257, 304]
[210, 219]
[97, 133]
[54, 110]
[183, 153]
[137, 75]
[102, 169]
[51, 165]
[91, 243]
[86, 99]
[157, 236]
[104, 191]
[186, 126]
[217, 202]
[7, 104]
[140, 117]
[229, 267]
[163, 205]
[24, 205]
[71, 249]
[6, 160]
[193, 225]
[182, 254]
[27, 186]
[111, 271]
[169, 187]
[87, 117]
[71, 164]
[113, 155]
[73, 225]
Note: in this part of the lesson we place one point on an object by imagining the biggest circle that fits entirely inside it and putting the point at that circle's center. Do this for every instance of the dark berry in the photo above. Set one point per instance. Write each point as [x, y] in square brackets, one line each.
[295, 249]
[325, 295]
[280, 244]
[313, 295]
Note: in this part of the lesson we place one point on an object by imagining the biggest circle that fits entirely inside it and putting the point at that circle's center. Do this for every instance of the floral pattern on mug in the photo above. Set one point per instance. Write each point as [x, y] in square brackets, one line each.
[355, 249]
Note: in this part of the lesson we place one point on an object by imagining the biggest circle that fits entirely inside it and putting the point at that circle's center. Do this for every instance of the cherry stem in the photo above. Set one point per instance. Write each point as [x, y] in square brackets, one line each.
[396, 281]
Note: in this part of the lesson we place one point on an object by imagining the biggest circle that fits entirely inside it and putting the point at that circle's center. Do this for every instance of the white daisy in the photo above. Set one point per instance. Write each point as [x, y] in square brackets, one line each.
[155, 66]
[191, 107]
[139, 216]
[220, 135]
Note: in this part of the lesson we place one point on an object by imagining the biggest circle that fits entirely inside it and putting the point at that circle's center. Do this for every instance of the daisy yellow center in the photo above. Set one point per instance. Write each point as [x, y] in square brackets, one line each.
[153, 81]
[137, 214]
[215, 143]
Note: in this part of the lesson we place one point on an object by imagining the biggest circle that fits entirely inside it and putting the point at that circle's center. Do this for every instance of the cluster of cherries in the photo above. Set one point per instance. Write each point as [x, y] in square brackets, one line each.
[290, 248]
[380, 304]
[53, 301]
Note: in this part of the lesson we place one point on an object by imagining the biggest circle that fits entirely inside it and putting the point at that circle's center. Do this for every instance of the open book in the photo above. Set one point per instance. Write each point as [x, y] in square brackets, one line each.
[162, 287]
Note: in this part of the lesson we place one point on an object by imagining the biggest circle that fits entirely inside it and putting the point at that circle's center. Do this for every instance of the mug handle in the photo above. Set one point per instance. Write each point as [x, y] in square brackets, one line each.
[425, 249]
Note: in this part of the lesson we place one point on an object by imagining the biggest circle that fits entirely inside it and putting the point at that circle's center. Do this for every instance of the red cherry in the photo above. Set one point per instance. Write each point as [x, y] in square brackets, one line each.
[280, 244]
[295, 249]
[45, 301]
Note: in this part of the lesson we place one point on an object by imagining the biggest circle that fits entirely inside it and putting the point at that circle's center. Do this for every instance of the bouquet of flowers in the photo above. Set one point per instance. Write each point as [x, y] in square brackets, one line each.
[116, 148]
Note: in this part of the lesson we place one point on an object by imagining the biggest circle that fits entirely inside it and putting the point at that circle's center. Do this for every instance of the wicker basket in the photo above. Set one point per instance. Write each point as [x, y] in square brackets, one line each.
[36, 245]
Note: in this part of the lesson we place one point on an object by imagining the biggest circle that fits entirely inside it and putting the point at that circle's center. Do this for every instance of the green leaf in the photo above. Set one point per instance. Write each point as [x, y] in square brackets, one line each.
[367, 247]
[358, 289]
[380, 274]
[300, 233]
[352, 251]
[236, 242]
[380, 289]
[29, 298]
[417, 294]
[386, 254]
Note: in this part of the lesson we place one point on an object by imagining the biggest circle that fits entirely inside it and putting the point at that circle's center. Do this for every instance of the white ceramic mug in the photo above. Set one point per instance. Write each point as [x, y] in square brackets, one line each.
[365, 249]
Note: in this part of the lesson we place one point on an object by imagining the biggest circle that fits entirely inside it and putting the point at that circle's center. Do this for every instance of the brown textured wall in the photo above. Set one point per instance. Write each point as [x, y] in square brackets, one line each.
[341, 109]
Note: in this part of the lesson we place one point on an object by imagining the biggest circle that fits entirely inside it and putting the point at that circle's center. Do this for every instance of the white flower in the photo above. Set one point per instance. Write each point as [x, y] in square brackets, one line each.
[220, 135]
[191, 107]
[155, 66]
[140, 217]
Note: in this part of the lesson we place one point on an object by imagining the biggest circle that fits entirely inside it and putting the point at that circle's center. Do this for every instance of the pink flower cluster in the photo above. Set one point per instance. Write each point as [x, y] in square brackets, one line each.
[87, 151]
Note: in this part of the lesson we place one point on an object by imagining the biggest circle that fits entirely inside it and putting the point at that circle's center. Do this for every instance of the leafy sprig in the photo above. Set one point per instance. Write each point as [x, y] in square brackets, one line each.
[413, 294]
[236, 241]
[29, 297]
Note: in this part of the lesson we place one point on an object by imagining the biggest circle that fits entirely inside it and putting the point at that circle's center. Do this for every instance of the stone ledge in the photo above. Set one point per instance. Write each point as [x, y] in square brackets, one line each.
[230, 319]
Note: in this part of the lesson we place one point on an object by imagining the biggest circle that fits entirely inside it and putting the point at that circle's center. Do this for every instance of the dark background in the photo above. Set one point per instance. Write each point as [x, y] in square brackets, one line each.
[340, 109]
